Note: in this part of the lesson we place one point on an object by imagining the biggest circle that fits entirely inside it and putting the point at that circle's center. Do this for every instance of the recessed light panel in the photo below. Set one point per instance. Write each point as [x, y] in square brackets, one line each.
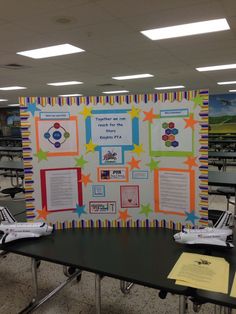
[170, 87]
[1, 99]
[71, 95]
[65, 83]
[232, 90]
[52, 51]
[182, 30]
[226, 83]
[217, 67]
[116, 92]
[132, 77]
[14, 105]
[12, 88]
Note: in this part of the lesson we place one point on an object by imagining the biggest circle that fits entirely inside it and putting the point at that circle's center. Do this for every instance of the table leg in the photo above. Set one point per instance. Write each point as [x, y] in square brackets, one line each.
[35, 279]
[182, 304]
[35, 288]
[125, 286]
[234, 201]
[98, 293]
[36, 302]
[224, 164]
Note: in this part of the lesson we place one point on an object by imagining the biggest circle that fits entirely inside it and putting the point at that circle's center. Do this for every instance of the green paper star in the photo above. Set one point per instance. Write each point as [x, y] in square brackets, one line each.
[153, 164]
[198, 101]
[41, 155]
[146, 210]
[80, 162]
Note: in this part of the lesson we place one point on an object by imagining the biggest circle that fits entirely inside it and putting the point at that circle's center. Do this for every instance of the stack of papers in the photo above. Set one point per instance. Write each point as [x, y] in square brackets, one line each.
[201, 272]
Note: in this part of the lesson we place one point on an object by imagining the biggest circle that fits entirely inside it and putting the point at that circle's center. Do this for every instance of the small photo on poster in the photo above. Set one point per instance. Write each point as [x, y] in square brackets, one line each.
[113, 174]
[129, 196]
[98, 190]
[103, 207]
[111, 155]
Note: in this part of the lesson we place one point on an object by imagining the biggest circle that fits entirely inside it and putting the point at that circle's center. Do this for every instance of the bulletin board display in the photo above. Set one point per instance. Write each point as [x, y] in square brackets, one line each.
[116, 161]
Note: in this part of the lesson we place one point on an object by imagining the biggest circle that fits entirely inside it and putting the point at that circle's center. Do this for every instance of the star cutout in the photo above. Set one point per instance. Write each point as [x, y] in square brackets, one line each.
[149, 116]
[198, 101]
[153, 164]
[32, 108]
[134, 112]
[124, 215]
[191, 216]
[190, 122]
[191, 162]
[146, 210]
[42, 213]
[86, 112]
[80, 210]
[41, 155]
[138, 149]
[80, 162]
[134, 163]
[86, 179]
[90, 147]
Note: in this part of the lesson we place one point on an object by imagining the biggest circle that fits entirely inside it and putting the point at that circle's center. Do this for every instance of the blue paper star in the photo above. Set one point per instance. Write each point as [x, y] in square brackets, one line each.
[191, 216]
[80, 210]
[32, 108]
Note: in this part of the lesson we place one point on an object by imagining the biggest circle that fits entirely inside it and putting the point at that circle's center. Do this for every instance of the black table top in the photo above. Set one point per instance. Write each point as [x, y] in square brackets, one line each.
[223, 141]
[10, 149]
[227, 155]
[217, 178]
[11, 165]
[16, 207]
[10, 138]
[222, 136]
[143, 256]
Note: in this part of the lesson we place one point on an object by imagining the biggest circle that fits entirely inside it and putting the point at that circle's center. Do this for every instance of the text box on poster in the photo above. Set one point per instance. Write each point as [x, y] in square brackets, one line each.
[61, 189]
[114, 132]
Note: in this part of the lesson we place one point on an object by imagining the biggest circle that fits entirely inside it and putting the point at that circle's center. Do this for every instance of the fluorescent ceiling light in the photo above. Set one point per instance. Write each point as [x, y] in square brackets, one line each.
[187, 29]
[52, 51]
[13, 105]
[116, 92]
[12, 88]
[65, 83]
[226, 83]
[170, 87]
[217, 67]
[1, 99]
[232, 90]
[70, 95]
[132, 77]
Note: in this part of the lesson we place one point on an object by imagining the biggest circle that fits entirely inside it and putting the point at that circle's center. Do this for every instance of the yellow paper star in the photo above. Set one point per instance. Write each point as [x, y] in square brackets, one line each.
[90, 147]
[86, 112]
[138, 149]
[134, 112]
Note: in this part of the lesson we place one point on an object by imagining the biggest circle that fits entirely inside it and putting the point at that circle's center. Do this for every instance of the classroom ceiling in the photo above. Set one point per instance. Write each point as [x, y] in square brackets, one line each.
[109, 32]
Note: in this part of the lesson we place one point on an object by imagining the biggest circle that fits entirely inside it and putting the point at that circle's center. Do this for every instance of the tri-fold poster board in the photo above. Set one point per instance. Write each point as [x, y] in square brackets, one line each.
[116, 161]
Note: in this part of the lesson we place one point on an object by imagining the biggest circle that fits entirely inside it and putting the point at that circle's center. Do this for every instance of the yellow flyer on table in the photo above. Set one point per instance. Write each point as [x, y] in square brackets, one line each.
[202, 272]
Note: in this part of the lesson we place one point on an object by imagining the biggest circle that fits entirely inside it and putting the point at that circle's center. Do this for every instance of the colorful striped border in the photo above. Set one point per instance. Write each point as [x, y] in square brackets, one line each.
[109, 101]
